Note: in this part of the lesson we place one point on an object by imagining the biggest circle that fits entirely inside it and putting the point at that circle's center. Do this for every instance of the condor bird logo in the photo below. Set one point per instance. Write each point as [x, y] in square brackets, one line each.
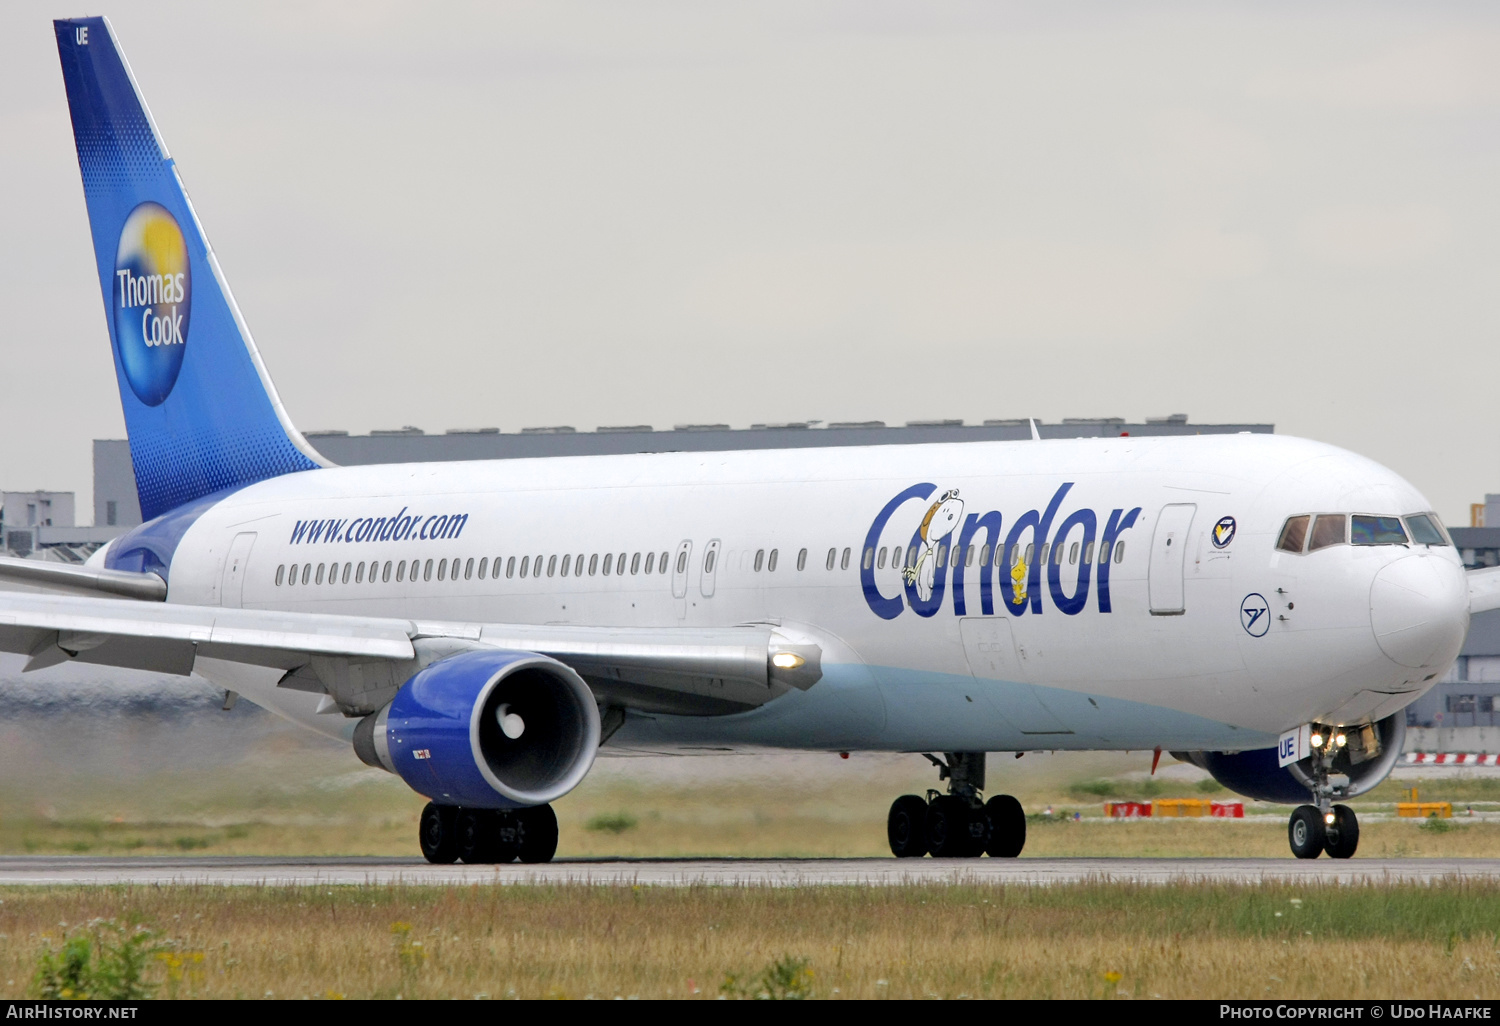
[1224, 532]
[153, 300]
[940, 522]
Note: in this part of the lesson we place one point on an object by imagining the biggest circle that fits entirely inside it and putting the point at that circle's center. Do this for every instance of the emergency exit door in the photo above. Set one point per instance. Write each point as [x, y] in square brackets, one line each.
[1168, 558]
[232, 586]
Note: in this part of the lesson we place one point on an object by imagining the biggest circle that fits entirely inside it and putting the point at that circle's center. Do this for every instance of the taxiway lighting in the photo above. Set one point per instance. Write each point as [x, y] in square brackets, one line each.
[1317, 741]
[1340, 740]
[787, 661]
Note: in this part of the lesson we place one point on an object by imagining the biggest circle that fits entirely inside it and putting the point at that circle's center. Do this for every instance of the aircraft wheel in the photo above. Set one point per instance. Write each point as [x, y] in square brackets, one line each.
[1007, 827]
[536, 833]
[948, 820]
[1305, 832]
[1342, 838]
[438, 833]
[906, 827]
[476, 835]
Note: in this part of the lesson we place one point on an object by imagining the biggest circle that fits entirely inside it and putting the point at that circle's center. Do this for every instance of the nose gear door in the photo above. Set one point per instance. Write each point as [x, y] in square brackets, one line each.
[1168, 555]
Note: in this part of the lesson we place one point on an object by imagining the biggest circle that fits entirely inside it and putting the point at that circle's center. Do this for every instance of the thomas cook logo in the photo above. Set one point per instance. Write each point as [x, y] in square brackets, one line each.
[153, 300]
[1224, 532]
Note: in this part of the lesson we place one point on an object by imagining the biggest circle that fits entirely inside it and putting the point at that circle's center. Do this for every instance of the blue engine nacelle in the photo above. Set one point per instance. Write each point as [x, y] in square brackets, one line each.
[1365, 761]
[487, 729]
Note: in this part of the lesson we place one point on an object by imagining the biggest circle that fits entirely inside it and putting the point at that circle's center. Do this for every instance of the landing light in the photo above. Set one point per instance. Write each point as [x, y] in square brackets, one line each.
[788, 661]
[1340, 740]
[1316, 741]
[1328, 818]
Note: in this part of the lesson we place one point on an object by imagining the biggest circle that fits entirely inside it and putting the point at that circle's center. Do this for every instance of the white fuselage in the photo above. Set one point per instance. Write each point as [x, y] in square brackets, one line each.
[1178, 656]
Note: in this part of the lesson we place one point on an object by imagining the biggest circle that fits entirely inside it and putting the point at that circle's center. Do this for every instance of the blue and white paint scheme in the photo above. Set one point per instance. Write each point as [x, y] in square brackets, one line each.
[1203, 595]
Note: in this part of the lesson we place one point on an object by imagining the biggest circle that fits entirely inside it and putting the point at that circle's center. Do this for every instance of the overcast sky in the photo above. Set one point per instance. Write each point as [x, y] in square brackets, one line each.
[658, 213]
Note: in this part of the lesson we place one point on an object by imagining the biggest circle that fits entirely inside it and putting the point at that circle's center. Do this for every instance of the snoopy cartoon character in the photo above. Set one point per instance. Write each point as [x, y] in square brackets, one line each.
[940, 522]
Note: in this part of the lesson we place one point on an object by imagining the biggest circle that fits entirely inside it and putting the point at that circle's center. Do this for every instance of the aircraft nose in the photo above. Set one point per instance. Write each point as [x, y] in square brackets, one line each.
[1419, 610]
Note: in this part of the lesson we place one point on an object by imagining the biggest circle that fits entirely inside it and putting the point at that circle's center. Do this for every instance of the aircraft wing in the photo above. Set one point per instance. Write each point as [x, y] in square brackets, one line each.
[684, 669]
[1484, 589]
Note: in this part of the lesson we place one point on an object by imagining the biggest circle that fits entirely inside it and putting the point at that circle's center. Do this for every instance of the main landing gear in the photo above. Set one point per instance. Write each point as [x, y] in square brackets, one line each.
[959, 824]
[488, 835]
[1324, 826]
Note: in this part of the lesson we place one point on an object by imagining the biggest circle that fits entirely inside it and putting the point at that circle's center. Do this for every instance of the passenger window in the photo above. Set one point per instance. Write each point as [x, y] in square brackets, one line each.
[1088, 553]
[844, 563]
[401, 571]
[567, 560]
[609, 557]
[984, 556]
[318, 579]
[469, 568]
[760, 559]
[306, 571]
[801, 558]
[359, 573]
[280, 574]
[832, 554]
[870, 558]
[442, 569]
[708, 561]
[1368, 530]
[510, 567]
[682, 561]
[593, 564]
[650, 562]
[1073, 555]
[771, 561]
[1328, 530]
[942, 555]
[551, 565]
[1029, 550]
[426, 571]
[911, 556]
[292, 577]
[453, 568]
[969, 551]
[879, 557]
[525, 562]
[635, 564]
[578, 565]
[1119, 552]
[385, 575]
[1057, 554]
[484, 565]
[1293, 534]
[1423, 532]
[348, 568]
[661, 564]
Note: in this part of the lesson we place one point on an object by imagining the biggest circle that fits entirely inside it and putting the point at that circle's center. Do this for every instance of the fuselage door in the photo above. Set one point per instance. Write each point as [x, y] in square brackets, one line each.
[710, 568]
[681, 560]
[1169, 546]
[1001, 676]
[232, 586]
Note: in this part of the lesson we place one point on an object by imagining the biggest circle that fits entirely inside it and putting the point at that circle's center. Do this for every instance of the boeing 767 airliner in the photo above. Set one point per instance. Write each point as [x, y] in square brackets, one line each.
[1262, 606]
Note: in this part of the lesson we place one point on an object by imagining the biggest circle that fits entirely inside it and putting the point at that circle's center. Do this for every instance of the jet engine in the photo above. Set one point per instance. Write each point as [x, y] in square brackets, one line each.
[486, 729]
[1364, 760]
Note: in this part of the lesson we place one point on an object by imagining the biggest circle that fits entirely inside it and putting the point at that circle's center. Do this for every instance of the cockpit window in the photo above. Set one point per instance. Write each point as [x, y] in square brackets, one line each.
[1424, 531]
[1293, 534]
[1328, 530]
[1368, 530]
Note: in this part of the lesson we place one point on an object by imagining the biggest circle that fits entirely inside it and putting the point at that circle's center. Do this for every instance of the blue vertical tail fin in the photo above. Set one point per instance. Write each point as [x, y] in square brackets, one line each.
[200, 410]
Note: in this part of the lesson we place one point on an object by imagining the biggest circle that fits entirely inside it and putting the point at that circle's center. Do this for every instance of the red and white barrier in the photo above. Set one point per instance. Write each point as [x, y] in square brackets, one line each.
[1451, 759]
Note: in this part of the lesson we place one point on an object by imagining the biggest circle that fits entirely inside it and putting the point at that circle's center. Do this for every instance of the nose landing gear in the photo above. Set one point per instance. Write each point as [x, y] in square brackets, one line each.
[959, 824]
[1314, 829]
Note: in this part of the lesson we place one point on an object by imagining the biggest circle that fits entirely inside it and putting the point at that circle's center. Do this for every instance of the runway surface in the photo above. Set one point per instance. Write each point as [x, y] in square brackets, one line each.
[52, 870]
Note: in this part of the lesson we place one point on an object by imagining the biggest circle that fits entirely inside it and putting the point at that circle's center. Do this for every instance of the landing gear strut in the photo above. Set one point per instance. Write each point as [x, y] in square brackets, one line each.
[476, 836]
[959, 824]
[1324, 826]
